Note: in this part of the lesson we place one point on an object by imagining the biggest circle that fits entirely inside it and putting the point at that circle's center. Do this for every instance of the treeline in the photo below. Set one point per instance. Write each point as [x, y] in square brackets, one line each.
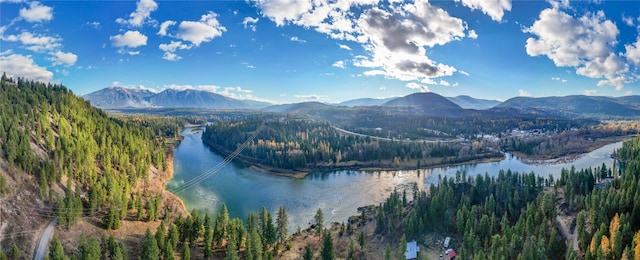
[47, 131]
[403, 125]
[305, 144]
[553, 145]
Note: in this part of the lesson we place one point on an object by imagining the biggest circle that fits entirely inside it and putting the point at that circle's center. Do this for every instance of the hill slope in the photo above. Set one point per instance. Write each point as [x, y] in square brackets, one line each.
[579, 105]
[62, 157]
[426, 103]
[468, 102]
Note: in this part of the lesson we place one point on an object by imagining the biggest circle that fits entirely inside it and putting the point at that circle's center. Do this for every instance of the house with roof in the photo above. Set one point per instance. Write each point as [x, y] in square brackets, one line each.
[412, 250]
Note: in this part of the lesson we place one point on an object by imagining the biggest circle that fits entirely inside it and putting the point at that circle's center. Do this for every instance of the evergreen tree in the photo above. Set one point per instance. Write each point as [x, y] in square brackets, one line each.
[150, 250]
[232, 252]
[327, 252]
[90, 249]
[15, 252]
[308, 253]
[56, 251]
[281, 220]
[168, 252]
[161, 237]
[318, 221]
[186, 252]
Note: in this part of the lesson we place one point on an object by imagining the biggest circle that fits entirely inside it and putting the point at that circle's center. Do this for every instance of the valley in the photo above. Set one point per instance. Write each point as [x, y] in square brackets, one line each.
[375, 171]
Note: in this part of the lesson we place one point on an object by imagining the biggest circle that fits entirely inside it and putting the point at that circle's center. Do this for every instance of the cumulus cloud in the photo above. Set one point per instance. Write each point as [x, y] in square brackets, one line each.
[170, 49]
[445, 83]
[201, 31]
[472, 34]
[345, 47]
[16, 65]
[339, 64]
[164, 26]
[585, 43]
[420, 87]
[523, 93]
[130, 39]
[141, 15]
[36, 13]
[493, 8]
[633, 52]
[66, 58]
[589, 92]
[250, 22]
[395, 34]
[170, 56]
[34, 42]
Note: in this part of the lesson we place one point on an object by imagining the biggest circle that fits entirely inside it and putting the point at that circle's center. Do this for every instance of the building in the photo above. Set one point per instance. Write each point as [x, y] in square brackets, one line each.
[447, 240]
[412, 250]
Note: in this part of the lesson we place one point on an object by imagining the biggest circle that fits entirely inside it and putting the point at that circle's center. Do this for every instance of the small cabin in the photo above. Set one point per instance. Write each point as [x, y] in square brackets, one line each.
[412, 250]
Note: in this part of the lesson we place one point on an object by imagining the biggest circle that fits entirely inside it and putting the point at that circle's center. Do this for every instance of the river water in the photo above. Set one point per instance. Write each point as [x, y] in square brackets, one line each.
[339, 193]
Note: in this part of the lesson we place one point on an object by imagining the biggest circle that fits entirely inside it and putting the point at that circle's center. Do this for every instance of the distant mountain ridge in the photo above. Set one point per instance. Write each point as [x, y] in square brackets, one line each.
[119, 97]
[468, 102]
[580, 105]
[365, 102]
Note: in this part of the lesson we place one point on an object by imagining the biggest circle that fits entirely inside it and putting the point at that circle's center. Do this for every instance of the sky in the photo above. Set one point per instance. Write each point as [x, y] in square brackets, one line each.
[285, 51]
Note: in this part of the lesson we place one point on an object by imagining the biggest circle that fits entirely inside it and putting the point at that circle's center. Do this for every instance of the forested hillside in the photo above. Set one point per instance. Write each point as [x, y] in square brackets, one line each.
[304, 145]
[65, 158]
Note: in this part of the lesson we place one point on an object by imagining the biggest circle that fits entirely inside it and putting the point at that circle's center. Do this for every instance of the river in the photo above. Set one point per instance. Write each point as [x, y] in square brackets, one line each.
[339, 193]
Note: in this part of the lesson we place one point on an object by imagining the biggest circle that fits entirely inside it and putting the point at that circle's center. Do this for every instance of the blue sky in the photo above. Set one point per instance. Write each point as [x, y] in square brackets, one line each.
[286, 51]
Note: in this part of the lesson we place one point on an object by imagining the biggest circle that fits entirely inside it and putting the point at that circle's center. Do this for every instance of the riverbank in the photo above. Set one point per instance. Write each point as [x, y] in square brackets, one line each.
[569, 155]
[380, 165]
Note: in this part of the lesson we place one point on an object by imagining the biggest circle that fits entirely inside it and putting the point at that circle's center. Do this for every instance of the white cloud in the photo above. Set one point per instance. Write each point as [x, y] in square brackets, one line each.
[250, 22]
[36, 13]
[630, 21]
[141, 15]
[345, 47]
[394, 35]
[589, 92]
[633, 52]
[130, 39]
[444, 83]
[628, 93]
[201, 31]
[133, 53]
[339, 64]
[559, 79]
[585, 43]
[472, 34]
[34, 42]
[66, 58]
[296, 39]
[174, 45]
[494, 8]
[523, 93]
[95, 25]
[413, 85]
[164, 26]
[16, 65]
[312, 97]
[171, 56]
[463, 72]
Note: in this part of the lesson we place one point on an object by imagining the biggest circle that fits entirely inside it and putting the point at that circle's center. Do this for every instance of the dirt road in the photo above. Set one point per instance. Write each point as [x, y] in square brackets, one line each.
[43, 244]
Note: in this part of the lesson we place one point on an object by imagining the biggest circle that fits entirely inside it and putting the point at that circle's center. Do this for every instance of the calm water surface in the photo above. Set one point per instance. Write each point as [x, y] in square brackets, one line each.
[339, 193]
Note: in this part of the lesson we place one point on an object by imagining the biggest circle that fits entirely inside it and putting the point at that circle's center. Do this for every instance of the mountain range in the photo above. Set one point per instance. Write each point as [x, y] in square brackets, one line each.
[119, 97]
[418, 103]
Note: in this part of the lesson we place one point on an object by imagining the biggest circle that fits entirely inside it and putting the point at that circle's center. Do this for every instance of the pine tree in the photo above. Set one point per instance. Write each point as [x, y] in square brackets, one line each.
[56, 251]
[168, 252]
[232, 252]
[319, 222]
[186, 252]
[161, 236]
[308, 253]
[327, 252]
[15, 252]
[150, 250]
[281, 220]
[89, 249]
